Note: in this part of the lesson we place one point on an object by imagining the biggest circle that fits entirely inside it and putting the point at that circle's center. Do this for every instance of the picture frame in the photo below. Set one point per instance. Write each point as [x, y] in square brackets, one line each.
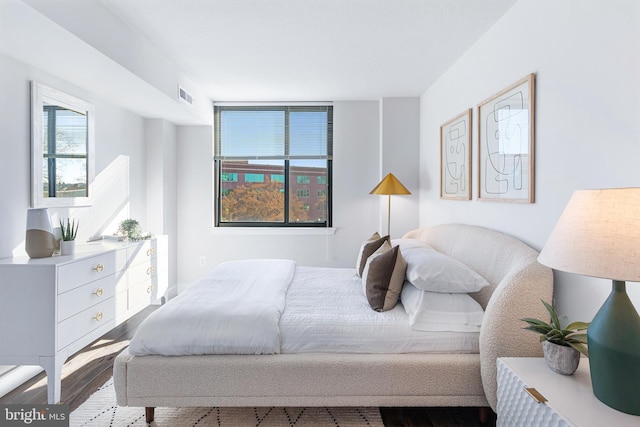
[506, 156]
[455, 157]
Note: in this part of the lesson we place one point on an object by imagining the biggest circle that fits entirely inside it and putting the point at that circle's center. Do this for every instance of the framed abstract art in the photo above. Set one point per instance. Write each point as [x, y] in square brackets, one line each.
[455, 158]
[506, 144]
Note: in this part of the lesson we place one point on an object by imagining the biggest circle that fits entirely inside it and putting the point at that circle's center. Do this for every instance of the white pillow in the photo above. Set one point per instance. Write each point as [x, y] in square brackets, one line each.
[434, 271]
[437, 311]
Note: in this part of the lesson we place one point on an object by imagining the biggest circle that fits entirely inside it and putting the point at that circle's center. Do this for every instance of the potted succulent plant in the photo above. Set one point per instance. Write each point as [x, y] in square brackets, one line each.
[68, 233]
[561, 344]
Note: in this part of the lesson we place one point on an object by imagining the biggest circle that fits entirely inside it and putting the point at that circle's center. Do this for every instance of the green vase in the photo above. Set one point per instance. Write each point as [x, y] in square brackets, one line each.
[614, 352]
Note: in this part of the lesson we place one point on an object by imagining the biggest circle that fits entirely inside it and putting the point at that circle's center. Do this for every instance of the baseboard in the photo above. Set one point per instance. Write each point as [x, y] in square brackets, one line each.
[180, 287]
[16, 377]
[171, 292]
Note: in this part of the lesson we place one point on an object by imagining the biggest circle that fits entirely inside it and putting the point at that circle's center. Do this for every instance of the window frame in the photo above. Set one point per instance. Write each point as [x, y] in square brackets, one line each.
[287, 159]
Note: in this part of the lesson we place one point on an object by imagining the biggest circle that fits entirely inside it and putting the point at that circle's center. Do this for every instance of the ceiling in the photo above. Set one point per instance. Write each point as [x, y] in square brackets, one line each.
[303, 50]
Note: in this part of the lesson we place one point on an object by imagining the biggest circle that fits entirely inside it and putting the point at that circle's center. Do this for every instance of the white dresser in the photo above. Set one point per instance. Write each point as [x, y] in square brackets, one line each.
[570, 399]
[52, 307]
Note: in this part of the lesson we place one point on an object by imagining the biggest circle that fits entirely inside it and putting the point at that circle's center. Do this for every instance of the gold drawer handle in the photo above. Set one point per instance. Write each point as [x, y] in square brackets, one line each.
[150, 270]
[150, 251]
[98, 317]
[98, 268]
[535, 394]
[150, 288]
[98, 292]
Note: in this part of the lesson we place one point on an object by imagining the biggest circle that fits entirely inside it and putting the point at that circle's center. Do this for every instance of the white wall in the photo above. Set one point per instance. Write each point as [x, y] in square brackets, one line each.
[120, 160]
[356, 213]
[586, 56]
[162, 205]
[399, 143]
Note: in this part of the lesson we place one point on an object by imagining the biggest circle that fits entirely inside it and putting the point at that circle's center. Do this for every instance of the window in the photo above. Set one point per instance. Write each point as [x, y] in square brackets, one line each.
[279, 150]
[65, 153]
[253, 177]
[230, 177]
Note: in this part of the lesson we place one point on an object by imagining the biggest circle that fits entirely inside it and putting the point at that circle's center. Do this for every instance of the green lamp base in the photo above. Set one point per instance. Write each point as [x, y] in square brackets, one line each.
[614, 352]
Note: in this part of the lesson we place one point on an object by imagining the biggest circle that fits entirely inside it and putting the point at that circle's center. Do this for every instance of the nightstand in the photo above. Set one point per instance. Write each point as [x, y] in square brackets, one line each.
[570, 399]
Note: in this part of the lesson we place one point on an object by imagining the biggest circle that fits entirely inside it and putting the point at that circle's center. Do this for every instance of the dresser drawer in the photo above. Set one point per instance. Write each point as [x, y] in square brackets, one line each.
[79, 325]
[86, 270]
[141, 253]
[142, 294]
[142, 272]
[85, 296]
[517, 408]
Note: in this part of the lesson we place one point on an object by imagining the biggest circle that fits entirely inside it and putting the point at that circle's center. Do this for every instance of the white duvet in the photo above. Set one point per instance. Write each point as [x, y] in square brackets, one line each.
[234, 309]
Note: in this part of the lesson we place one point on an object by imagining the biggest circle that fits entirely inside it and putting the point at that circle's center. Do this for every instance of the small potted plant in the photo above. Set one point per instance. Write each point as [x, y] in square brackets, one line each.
[130, 228]
[561, 344]
[68, 233]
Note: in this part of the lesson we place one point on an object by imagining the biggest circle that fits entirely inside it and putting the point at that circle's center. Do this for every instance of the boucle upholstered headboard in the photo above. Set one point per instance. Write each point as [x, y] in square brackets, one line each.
[517, 284]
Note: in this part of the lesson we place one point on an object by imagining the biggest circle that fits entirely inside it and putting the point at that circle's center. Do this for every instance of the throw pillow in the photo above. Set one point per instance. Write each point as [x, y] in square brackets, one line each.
[367, 248]
[383, 277]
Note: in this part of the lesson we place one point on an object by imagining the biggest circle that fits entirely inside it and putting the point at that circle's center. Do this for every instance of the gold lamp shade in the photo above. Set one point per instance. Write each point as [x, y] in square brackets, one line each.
[388, 186]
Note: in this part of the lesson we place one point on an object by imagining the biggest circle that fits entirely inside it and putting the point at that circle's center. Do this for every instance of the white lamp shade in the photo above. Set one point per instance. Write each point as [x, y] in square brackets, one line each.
[598, 235]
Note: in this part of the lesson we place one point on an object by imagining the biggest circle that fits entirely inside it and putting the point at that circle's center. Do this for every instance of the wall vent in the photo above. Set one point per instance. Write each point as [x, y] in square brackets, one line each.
[185, 96]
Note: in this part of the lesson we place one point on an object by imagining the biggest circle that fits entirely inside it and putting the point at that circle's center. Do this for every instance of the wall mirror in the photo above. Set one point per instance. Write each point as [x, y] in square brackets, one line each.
[62, 149]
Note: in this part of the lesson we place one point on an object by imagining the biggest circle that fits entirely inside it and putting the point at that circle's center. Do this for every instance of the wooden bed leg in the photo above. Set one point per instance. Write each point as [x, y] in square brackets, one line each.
[483, 412]
[148, 413]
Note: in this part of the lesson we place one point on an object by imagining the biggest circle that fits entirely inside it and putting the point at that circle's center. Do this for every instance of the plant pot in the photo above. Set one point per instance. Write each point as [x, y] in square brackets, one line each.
[560, 359]
[67, 247]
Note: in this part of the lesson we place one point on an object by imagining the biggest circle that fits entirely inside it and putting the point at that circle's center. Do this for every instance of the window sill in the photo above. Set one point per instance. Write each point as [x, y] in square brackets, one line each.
[273, 231]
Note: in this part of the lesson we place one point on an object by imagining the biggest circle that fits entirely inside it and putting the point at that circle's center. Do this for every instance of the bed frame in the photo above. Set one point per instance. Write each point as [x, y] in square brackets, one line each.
[517, 284]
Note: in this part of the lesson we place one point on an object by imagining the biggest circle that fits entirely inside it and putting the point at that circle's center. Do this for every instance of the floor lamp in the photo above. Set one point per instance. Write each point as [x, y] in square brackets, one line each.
[598, 235]
[389, 186]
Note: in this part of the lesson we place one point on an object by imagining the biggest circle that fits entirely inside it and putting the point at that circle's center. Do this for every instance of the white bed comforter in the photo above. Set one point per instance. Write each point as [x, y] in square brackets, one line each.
[234, 309]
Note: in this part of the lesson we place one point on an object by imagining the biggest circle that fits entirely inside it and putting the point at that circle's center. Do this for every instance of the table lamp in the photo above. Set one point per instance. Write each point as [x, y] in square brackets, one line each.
[598, 235]
[389, 186]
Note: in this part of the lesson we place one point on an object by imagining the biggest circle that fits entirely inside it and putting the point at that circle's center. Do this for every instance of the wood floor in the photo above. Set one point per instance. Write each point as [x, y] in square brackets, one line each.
[92, 366]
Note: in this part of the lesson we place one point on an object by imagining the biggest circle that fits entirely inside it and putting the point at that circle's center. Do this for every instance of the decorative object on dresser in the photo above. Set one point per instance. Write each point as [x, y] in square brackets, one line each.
[506, 144]
[388, 186]
[529, 394]
[68, 233]
[455, 158]
[39, 242]
[58, 305]
[562, 344]
[131, 230]
[598, 235]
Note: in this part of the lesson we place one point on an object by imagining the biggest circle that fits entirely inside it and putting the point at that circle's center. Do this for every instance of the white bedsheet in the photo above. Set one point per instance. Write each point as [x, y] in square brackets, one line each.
[234, 309]
[326, 311]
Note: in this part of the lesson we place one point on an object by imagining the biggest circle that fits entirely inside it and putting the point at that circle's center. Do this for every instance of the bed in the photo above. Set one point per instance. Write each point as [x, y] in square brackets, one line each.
[294, 361]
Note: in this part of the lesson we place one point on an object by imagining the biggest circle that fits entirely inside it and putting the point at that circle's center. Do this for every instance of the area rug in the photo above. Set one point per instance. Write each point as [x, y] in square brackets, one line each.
[101, 410]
